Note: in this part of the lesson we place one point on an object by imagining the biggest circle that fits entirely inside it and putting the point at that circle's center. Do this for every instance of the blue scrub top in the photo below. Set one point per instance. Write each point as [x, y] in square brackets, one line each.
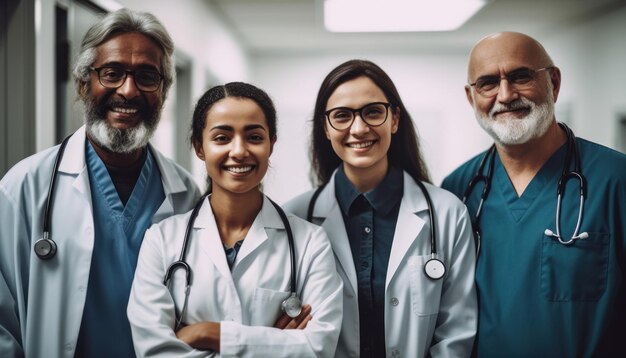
[538, 297]
[119, 230]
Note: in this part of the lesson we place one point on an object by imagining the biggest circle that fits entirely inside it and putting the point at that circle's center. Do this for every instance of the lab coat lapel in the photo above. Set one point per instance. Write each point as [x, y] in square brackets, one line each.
[73, 163]
[257, 234]
[408, 226]
[209, 239]
[172, 185]
[328, 209]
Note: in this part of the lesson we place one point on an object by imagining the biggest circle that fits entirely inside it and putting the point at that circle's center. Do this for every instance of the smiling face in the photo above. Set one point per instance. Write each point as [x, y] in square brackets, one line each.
[123, 119]
[236, 145]
[513, 116]
[362, 148]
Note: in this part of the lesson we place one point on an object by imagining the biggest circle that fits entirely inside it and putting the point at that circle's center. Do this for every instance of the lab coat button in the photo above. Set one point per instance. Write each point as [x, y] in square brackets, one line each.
[395, 302]
[89, 231]
[395, 353]
[82, 288]
[68, 347]
[367, 229]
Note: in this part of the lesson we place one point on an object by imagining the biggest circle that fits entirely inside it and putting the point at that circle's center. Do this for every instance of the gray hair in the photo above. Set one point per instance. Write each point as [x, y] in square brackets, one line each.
[122, 21]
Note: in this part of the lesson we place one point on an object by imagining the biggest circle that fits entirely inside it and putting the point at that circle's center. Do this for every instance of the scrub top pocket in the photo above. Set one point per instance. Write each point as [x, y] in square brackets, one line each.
[576, 272]
[425, 292]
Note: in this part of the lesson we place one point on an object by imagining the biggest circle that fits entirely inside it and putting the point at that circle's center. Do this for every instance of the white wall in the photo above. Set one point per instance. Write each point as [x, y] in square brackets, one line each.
[200, 34]
[591, 56]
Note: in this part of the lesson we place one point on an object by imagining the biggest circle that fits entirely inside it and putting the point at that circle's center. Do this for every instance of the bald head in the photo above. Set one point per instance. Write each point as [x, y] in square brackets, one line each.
[504, 50]
[512, 86]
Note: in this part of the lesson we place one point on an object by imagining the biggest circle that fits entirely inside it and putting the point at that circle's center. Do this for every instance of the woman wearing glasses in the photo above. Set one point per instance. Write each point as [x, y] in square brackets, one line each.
[408, 289]
[214, 282]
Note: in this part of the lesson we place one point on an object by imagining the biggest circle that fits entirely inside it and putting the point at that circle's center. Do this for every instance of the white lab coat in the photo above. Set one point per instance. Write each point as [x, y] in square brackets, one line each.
[247, 301]
[41, 302]
[423, 317]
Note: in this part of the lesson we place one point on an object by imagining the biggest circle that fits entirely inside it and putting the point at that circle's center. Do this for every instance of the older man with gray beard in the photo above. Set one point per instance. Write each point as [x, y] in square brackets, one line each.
[550, 268]
[67, 259]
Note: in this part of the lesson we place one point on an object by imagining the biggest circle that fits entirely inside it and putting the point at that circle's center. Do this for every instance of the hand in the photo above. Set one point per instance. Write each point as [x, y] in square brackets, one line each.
[300, 322]
[202, 336]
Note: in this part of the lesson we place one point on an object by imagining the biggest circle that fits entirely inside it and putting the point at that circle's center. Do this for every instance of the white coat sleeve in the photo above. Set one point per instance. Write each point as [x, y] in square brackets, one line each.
[457, 319]
[321, 288]
[12, 226]
[151, 306]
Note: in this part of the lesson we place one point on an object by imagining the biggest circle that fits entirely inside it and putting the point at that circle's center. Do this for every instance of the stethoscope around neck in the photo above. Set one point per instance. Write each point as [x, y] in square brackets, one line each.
[292, 305]
[572, 154]
[433, 268]
[46, 248]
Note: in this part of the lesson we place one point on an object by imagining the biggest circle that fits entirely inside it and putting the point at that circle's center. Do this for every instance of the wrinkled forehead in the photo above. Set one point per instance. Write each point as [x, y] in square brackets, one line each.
[130, 49]
[503, 53]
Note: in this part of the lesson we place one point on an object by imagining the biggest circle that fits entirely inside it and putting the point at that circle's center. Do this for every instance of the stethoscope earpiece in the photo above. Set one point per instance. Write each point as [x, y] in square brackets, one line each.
[571, 154]
[581, 236]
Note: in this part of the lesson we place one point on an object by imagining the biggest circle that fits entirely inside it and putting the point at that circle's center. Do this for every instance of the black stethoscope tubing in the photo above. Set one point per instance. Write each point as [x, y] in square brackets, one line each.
[45, 248]
[572, 154]
[478, 177]
[433, 268]
[292, 306]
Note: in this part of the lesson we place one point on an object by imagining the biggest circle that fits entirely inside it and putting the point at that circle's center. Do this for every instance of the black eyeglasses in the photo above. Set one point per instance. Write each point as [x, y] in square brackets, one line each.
[146, 80]
[374, 114]
[520, 79]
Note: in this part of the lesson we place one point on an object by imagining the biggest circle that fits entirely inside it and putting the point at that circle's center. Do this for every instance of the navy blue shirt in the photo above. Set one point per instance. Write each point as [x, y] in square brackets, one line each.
[370, 221]
[231, 253]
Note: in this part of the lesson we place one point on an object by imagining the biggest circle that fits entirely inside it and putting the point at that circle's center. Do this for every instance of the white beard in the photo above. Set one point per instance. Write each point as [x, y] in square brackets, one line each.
[114, 139]
[119, 140]
[513, 131]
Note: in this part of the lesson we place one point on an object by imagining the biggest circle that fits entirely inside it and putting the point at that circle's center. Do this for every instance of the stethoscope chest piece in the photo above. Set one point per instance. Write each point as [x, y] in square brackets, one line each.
[45, 248]
[434, 269]
[292, 306]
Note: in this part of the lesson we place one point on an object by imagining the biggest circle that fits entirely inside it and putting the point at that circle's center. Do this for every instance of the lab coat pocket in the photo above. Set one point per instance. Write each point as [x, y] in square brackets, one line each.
[576, 272]
[266, 306]
[425, 292]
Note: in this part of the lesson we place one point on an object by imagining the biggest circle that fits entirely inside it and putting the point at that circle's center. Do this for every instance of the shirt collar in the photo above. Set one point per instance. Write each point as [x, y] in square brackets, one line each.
[383, 198]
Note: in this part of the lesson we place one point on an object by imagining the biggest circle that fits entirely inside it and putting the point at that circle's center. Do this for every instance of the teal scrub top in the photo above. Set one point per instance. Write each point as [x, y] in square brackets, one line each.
[119, 230]
[538, 297]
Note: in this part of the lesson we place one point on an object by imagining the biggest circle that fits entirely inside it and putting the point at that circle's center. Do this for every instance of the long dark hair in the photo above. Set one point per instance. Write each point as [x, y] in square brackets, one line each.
[236, 90]
[404, 150]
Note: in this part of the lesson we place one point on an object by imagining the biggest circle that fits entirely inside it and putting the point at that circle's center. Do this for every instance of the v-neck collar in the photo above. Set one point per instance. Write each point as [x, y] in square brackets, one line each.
[104, 184]
[543, 183]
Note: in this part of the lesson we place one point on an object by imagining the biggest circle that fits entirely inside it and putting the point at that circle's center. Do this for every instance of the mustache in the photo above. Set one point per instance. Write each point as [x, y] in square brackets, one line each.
[518, 104]
[137, 102]
[100, 107]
